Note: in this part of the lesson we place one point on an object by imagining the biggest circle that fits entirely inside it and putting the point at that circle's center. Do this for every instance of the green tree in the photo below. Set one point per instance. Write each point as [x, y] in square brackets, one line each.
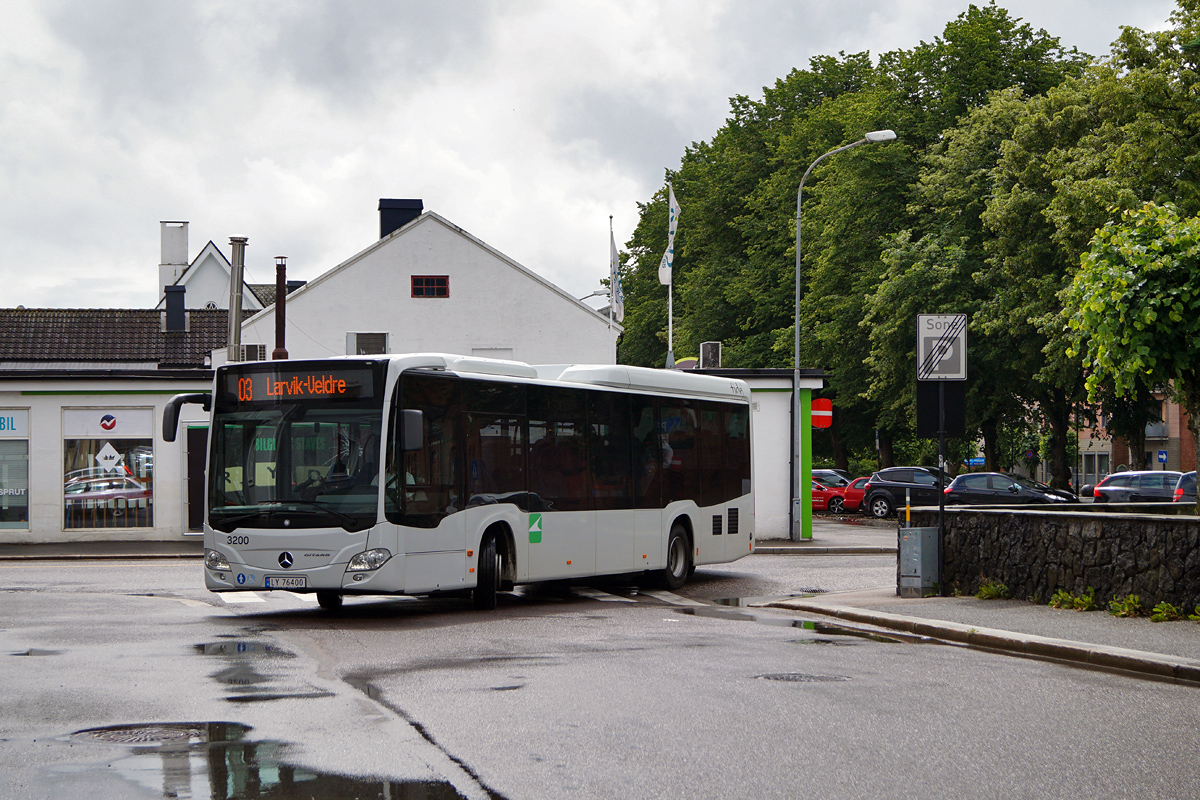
[1133, 309]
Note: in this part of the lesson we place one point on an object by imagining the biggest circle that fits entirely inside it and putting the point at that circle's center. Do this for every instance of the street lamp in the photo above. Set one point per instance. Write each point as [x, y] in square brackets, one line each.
[802, 491]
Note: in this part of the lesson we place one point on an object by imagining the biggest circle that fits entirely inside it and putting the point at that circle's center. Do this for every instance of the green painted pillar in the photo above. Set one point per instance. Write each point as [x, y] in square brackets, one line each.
[806, 518]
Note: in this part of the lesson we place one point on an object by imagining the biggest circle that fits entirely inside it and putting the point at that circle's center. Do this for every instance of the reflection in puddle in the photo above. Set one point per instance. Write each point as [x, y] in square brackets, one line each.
[783, 622]
[214, 760]
[754, 601]
[248, 660]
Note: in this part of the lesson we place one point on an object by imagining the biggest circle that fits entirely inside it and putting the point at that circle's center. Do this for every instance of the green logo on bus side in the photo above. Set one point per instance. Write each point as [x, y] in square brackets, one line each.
[535, 528]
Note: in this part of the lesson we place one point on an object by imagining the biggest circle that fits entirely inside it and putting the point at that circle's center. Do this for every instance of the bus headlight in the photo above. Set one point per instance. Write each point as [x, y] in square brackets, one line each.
[371, 559]
[214, 560]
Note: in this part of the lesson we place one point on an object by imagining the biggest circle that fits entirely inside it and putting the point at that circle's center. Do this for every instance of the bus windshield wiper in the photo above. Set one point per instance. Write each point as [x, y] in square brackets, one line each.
[347, 519]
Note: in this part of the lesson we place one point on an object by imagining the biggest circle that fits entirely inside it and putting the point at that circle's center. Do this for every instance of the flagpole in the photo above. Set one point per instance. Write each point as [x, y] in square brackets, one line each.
[671, 323]
[612, 295]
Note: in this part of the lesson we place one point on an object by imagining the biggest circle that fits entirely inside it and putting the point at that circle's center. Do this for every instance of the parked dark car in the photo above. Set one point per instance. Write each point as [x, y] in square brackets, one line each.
[1185, 488]
[885, 491]
[1139, 486]
[831, 477]
[998, 488]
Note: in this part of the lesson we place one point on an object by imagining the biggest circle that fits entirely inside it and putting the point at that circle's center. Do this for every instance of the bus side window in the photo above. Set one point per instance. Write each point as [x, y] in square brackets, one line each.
[609, 440]
[647, 458]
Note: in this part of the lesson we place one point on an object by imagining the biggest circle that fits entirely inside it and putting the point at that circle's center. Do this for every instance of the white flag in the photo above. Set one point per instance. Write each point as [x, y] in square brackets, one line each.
[617, 295]
[668, 259]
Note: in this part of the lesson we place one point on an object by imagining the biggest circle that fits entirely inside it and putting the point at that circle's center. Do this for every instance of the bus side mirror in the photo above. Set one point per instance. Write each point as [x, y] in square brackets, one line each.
[171, 412]
[413, 427]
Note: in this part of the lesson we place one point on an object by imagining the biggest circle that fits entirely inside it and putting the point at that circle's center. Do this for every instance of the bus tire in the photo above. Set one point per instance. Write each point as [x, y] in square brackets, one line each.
[330, 601]
[679, 558]
[483, 596]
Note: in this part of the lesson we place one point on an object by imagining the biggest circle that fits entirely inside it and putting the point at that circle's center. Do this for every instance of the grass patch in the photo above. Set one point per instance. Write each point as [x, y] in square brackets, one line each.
[1165, 612]
[1083, 602]
[991, 590]
[1128, 606]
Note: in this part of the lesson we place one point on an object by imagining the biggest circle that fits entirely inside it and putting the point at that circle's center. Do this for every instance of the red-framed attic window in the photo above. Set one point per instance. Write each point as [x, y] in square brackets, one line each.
[430, 285]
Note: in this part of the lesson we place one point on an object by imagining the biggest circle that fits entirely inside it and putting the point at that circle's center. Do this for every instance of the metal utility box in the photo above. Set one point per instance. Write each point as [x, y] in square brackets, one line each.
[918, 562]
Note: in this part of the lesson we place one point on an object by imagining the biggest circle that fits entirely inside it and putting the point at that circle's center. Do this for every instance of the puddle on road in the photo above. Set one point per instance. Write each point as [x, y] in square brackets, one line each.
[751, 601]
[248, 674]
[716, 612]
[215, 760]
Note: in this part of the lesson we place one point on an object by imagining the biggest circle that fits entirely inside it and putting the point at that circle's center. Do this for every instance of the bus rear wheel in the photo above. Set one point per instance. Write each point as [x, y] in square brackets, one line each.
[330, 601]
[679, 561]
[483, 596]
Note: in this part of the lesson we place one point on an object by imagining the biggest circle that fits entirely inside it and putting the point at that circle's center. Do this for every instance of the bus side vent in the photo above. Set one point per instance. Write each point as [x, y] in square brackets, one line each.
[366, 344]
[716, 524]
[733, 522]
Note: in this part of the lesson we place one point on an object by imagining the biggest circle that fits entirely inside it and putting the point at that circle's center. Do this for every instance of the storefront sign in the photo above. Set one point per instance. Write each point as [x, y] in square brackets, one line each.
[118, 423]
[14, 423]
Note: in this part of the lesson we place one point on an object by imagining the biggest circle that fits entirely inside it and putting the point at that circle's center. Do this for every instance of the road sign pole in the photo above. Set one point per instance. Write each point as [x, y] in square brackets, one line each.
[941, 489]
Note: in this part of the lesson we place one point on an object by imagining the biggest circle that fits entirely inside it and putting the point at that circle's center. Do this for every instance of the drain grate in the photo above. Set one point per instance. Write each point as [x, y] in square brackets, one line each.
[146, 734]
[800, 677]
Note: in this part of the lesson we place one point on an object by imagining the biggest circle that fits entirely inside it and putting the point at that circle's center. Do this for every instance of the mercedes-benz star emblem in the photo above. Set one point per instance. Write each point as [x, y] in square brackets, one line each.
[285, 560]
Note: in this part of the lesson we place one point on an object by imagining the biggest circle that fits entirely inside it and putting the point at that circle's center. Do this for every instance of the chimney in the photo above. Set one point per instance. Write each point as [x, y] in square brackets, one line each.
[174, 241]
[238, 246]
[176, 316]
[280, 352]
[395, 214]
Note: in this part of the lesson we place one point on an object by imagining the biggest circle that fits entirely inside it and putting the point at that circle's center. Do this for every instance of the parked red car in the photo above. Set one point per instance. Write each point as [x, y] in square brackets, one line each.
[828, 498]
[853, 494]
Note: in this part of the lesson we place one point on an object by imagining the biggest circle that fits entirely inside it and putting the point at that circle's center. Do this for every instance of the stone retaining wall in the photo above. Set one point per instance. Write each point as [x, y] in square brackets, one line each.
[1036, 553]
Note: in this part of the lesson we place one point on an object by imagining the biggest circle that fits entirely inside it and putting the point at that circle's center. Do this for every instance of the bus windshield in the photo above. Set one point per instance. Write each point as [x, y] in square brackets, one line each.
[308, 463]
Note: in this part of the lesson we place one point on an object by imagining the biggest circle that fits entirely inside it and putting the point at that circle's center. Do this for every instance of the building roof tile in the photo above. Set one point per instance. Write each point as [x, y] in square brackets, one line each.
[108, 335]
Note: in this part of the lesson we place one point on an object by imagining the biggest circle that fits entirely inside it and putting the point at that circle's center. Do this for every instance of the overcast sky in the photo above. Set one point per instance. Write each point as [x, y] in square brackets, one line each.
[527, 123]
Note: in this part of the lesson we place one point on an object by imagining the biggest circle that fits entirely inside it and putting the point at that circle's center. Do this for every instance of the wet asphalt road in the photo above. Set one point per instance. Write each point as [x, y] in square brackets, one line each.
[598, 691]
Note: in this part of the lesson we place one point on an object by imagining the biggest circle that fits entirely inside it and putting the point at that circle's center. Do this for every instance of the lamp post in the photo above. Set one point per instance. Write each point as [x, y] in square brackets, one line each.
[801, 490]
[608, 294]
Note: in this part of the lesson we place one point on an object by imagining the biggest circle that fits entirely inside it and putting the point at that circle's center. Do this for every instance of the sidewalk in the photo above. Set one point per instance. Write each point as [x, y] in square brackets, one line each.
[1095, 638]
[191, 547]
[834, 536]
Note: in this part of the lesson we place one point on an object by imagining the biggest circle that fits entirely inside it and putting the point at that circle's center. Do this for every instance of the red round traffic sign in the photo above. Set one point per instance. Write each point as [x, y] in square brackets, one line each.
[822, 412]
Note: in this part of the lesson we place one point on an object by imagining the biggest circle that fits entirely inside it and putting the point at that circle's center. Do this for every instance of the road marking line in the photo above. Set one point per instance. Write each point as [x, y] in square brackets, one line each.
[672, 598]
[603, 597]
[241, 597]
[303, 598]
[192, 603]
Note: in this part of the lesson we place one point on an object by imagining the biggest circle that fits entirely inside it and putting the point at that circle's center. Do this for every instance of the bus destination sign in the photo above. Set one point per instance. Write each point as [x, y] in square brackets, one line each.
[282, 384]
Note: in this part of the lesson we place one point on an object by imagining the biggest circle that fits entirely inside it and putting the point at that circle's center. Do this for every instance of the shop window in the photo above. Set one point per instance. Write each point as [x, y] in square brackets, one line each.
[14, 468]
[14, 483]
[108, 468]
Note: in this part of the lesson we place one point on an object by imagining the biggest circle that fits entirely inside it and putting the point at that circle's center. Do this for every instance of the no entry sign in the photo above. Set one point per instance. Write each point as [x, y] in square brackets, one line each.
[822, 412]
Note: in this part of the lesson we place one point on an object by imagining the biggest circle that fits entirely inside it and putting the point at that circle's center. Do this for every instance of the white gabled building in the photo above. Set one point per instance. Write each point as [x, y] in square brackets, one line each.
[429, 286]
[206, 278]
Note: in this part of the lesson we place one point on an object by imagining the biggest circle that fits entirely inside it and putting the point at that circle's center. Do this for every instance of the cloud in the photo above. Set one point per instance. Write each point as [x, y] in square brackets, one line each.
[527, 123]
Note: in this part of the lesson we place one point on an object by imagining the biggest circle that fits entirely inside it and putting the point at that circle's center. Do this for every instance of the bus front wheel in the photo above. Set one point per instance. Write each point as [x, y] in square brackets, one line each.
[483, 596]
[330, 601]
[679, 561]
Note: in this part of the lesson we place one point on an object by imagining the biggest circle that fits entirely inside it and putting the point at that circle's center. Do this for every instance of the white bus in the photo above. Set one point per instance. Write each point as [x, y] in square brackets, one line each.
[431, 473]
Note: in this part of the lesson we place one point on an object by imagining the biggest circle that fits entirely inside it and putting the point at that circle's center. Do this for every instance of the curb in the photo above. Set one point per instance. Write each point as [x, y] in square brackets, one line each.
[1138, 661]
[849, 550]
[96, 556]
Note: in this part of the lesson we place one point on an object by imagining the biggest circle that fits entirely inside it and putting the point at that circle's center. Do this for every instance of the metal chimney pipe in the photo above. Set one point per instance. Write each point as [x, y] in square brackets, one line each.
[238, 244]
[280, 352]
